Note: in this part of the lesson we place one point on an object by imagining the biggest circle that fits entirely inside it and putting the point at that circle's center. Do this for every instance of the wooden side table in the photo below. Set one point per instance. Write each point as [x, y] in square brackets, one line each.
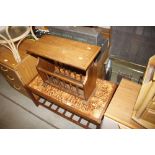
[91, 111]
[121, 106]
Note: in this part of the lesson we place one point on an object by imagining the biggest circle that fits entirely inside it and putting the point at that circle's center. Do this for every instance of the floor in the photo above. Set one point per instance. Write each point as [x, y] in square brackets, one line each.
[19, 112]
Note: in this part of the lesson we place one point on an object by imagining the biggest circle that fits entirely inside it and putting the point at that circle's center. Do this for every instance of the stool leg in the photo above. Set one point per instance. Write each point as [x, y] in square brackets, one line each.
[32, 97]
[98, 126]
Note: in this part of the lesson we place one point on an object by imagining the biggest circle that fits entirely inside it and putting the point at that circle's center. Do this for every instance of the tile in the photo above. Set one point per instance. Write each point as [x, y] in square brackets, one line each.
[84, 122]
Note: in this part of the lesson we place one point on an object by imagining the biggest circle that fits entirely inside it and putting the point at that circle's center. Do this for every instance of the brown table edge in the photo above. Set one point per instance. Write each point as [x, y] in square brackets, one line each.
[110, 98]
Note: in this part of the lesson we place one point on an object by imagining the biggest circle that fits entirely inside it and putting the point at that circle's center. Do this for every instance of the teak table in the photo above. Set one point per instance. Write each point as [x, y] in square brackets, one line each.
[88, 112]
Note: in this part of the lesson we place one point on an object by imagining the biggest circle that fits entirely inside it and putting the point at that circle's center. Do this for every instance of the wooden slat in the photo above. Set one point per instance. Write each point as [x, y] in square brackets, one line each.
[71, 116]
[57, 108]
[87, 125]
[79, 120]
[64, 112]
[50, 105]
[62, 77]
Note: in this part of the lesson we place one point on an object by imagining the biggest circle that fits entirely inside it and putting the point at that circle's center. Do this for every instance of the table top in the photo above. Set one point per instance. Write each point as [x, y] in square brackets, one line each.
[67, 51]
[6, 56]
[93, 109]
[121, 106]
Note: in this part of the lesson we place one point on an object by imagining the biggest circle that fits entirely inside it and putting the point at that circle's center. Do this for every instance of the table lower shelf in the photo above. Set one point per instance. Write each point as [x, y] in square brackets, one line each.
[66, 114]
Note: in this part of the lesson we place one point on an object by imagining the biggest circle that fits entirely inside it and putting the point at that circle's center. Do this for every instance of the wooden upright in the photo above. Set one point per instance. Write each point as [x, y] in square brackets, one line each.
[144, 109]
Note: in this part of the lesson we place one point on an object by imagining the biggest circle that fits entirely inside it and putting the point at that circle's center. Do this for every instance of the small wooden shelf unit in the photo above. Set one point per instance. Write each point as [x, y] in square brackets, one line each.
[66, 64]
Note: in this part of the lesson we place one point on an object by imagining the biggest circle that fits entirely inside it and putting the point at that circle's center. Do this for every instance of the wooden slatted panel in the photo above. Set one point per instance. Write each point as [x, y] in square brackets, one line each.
[78, 122]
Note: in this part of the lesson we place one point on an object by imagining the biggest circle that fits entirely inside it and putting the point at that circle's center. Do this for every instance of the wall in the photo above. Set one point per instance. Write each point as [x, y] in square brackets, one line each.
[133, 43]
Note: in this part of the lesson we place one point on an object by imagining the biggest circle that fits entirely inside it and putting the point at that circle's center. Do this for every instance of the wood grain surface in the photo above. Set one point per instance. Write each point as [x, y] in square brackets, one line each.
[121, 106]
[73, 53]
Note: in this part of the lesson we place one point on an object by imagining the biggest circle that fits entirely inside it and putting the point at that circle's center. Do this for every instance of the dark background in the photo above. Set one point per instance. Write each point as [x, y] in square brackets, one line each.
[133, 43]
